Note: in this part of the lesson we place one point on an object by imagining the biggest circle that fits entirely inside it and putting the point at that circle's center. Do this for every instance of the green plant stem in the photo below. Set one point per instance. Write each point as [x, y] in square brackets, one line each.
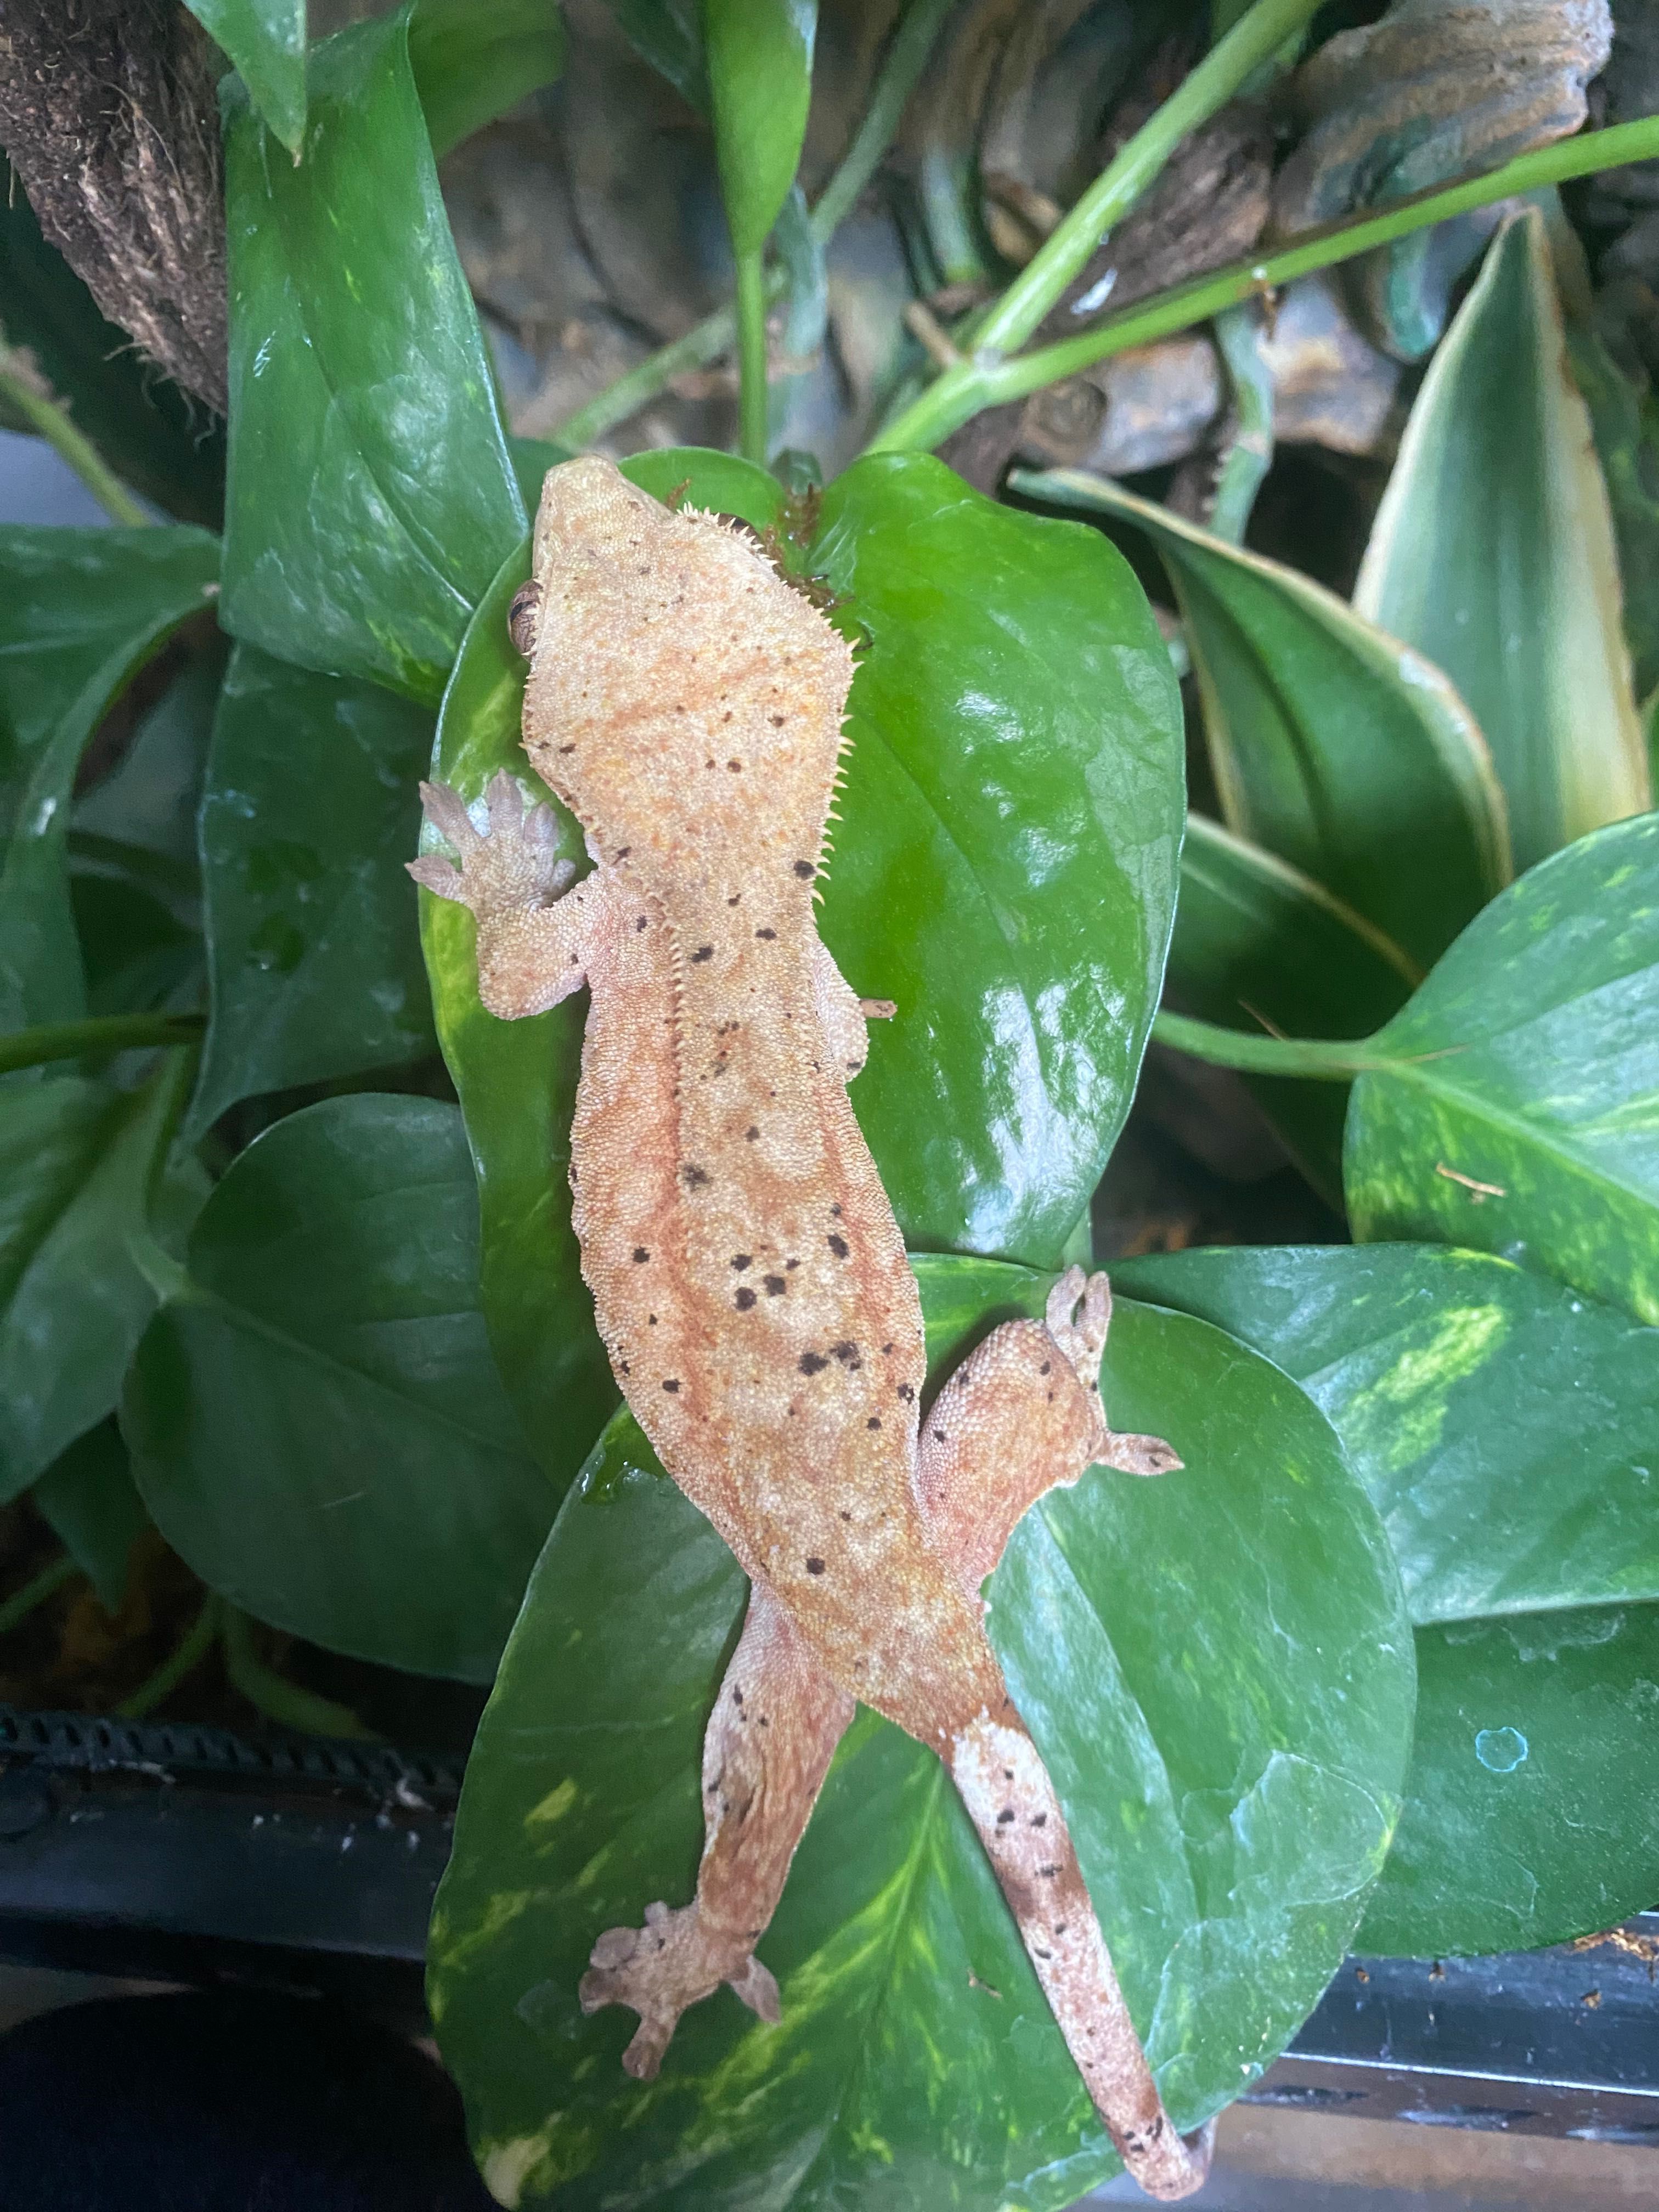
[1250, 454]
[713, 338]
[105, 1033]
[1252, 39]
[36, 1591]
[751, 357]
[1333, 1061]
[962, 392]
[273, 1695]
[183, 1661]
[55, 425]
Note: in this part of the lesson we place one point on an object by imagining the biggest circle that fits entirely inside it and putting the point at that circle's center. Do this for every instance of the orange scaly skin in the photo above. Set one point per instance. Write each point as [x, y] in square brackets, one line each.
[748, 1275]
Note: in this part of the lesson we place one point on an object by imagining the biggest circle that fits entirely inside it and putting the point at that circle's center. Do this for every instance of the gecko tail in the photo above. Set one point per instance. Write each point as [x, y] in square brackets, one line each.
[1012, 1802]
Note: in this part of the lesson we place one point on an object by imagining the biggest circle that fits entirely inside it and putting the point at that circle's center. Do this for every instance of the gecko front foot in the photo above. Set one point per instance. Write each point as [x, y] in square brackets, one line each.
[661, 1970]
[511, 867]
[1080, 1314]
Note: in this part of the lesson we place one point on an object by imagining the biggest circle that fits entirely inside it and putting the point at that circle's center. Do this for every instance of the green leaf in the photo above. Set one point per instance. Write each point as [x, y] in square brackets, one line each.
[1492, 554]
[1519, 1110]
[79, 1161]
[152, 436]
[1332, 746]
[472, 63]
[315, 1422]
[1505, 1428]
[372, 493]
[88, 1497]
[1625, 447]
[1255, 941]
[669, 34]
[1006, 866]
[309, 813]
[1216, 1668]
[83, 609]
[138, 956]
[759, 58]
[266, 41]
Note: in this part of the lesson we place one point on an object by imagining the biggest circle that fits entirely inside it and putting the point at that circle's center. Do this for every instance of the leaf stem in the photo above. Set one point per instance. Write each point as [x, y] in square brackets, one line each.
[184, 1660]
[947, 404]
[17, 1608]
[25, 390]
[273, 1695]
[1252, 39]
[1333, 1061]
[104, 1033]
[751, 356]
[713, 338]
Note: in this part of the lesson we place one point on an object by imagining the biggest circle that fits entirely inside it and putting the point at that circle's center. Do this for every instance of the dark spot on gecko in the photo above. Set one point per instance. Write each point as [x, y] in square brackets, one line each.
[838, 1246]
[736, 766]
[815, 1566]
[846, 1353]
[1047, 1367]
[751, 1135]
[775, 1285]
[1004, 1816]
[640, 923]
[1060, 1927]
[844, 1515]
[939, 1436]
[695, 1177]
[769, 934]
[805, 869]
[640, 1254]
[671, 1385]
[744, 1299]
[735, 899]
[651, 1320]
[1048, 1873]
[1007, 1773]
[813, 1363]
[906, 1392]
[886, 1351]
[1039, 1820]
[740, 1260]
[702, 952]
[567, 748]
[1040, 1953]
[792, 1265]
[622, 851]
[737, 1695]
[874, 1421]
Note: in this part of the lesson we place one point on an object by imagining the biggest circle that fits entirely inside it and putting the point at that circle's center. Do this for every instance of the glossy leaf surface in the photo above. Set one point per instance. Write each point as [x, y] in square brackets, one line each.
[153, 437]
[758, 54]
[1505, 1429]
[1006, 866]
[669, 34]
[266, 41]
[1492, 554]
[82, 610]
[1332, 746]
[472, 63]
[372, 495]
[78, 1160]
[316, 1423]
[1218, 1671]
[1255, 941]
[93, 1505]
[309, 813]
[1527, 1064]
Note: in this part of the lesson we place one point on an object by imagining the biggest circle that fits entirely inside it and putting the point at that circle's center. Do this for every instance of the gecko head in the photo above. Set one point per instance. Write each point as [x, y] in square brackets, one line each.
[682, 699]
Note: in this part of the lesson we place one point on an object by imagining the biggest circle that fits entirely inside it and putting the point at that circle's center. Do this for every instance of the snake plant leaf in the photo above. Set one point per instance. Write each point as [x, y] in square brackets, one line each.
[90, 1502]
[83, 611]
[1006, 866]
[758, 54]
[1334, 746]
[372, 496]
[1229, 1762]
[315, 1422]
[1518, 1107]
[82, 1165]
[266, 41]
[1256, 941]
[1492, 555]
[472, 63]
[1505, 1428]
[309, 813]
[153, 437]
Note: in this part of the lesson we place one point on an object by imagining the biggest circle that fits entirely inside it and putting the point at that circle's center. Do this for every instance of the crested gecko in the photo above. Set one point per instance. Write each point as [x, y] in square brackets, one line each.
[686, 702]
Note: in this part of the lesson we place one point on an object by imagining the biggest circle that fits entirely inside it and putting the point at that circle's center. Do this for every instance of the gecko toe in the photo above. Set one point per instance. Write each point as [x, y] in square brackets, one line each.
[440, 877]
[757, 1986]
[446, 810]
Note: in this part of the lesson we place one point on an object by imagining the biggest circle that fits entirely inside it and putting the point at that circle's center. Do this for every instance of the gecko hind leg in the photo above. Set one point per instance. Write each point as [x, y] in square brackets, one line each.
[768, 1746]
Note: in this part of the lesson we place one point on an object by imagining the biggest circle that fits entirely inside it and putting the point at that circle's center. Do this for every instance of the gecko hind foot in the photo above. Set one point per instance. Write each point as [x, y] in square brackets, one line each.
[513, 864]
[1080, 1315]
[663, 1969]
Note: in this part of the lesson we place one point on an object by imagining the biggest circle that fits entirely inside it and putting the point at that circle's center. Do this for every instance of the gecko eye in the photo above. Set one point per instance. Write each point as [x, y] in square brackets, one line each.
[521, 617]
